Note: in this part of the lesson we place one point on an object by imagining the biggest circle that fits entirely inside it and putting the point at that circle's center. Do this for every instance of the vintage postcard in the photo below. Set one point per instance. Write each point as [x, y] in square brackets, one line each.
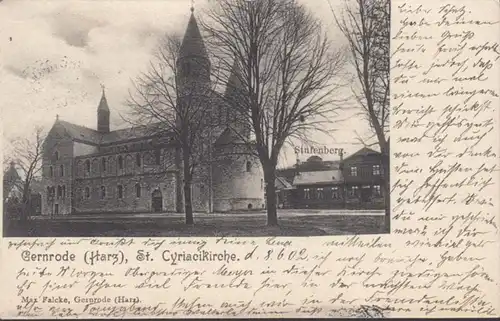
[233, 158]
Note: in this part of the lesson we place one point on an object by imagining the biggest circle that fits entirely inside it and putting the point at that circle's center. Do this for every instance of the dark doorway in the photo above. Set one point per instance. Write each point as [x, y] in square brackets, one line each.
[365, 194]
[56, 209]
[157, 201]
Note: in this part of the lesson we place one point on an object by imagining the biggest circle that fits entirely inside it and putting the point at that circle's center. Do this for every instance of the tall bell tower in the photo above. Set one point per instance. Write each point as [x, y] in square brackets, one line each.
[103, 115]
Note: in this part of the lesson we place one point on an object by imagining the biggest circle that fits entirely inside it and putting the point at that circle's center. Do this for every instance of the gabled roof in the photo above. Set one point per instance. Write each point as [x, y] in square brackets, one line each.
[363, 152]
[80, 132]
[318, 177]
[281, 183]
[92, 136]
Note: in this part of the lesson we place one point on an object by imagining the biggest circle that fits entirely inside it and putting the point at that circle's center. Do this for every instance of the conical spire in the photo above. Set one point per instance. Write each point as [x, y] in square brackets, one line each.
[192, 44]
[103, 114]
[103, 104]
[234, 85]
[11, 175]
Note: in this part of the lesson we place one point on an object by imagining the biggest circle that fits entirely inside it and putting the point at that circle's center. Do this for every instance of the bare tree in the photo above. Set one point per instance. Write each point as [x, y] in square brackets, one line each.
[289, 74]
[366, 26]
[27, 156]
[172, 106]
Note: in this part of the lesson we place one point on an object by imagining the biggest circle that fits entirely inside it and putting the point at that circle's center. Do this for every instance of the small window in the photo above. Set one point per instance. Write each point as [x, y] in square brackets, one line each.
[138, 190]
[376, 190]
[335, 192]
[307, 194]
[56, 155]
[59, 191]
[103, 164]
[354, 171]
[103, 192]
[87, 192]
[64, 191]
[120, 162]
[87, 166]
[61, 170]
[261, 184]
[376, 170]
[138, 160]
[353, 192]
[51, 172]
[120, 191]
[48, 192]
[249, 166]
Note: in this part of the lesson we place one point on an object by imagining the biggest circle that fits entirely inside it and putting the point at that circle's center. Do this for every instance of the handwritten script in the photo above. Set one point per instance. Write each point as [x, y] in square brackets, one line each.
[441, 258]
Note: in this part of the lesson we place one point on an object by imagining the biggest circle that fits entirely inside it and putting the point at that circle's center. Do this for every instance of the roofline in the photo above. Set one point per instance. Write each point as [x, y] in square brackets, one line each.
[373, 152]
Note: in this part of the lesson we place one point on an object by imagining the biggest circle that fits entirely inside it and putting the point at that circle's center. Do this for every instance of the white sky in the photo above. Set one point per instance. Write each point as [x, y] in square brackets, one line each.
[89, 43]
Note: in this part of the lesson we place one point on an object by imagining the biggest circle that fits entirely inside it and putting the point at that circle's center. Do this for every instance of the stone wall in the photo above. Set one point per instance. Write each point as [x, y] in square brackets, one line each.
[235, 187]
[57, 167]
[110, 201]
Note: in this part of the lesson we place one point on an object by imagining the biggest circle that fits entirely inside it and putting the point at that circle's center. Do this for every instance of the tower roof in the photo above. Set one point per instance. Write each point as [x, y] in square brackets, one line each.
[11, 175]
[103, 104]
[234, 85]
[192, 43]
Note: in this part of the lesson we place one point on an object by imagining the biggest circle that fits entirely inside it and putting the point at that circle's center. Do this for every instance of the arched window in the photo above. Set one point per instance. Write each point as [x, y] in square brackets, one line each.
[103, 192]
[249, 166]
[59, 191]
[103, 164]
[87, 166]
[120, 162]
[56, 155]
[138, 190]
[138, 159]
[120, 191]
[61, 170]
[51, 172]
[87, 192]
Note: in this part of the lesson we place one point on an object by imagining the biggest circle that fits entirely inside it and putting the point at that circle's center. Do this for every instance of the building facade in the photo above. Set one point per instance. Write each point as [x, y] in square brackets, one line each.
[134, 170]
[352, 183]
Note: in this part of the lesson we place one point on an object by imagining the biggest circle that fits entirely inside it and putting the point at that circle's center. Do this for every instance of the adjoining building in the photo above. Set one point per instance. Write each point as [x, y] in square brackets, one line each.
[353, 183]
[134, 170]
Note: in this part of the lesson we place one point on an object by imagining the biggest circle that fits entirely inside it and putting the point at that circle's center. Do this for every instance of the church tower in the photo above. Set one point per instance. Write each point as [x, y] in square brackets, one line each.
[103, 115]
[193, 64]
[236, 103]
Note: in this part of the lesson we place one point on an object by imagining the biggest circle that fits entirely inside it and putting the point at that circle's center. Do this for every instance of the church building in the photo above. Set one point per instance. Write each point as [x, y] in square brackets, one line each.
[134, 170]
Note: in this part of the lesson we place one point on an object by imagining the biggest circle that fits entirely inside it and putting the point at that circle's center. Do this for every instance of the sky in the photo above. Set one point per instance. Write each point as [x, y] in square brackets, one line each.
[55, 56]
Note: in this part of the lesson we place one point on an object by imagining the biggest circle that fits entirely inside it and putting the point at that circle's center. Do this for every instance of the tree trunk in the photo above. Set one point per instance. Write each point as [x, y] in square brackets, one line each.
[387, 192]
[272, 214]
[25, 205]
[188, 206]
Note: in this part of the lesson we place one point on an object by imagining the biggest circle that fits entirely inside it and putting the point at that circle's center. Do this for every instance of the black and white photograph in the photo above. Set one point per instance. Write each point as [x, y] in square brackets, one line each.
[203, 118]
